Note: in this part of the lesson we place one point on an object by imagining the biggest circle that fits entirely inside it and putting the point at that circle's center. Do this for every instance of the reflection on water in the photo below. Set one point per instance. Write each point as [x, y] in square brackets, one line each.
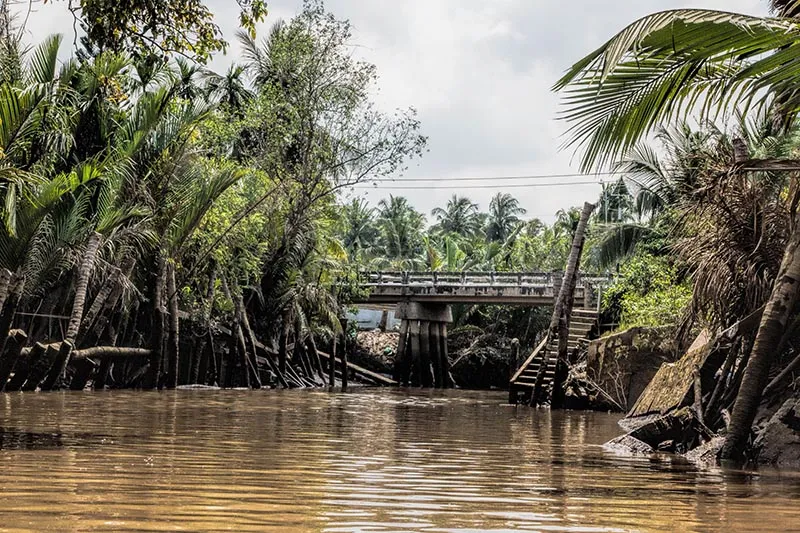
[365, 461]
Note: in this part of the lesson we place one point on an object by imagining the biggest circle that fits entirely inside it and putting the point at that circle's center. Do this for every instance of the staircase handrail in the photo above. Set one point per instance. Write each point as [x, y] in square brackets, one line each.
[530, 358]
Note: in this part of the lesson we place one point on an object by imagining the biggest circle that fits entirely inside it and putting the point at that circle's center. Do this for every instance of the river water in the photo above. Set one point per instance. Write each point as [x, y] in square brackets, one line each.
[370, 460]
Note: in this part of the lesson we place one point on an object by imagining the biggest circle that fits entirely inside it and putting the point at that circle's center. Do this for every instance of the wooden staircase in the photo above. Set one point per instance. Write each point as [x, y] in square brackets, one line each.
[546, 354]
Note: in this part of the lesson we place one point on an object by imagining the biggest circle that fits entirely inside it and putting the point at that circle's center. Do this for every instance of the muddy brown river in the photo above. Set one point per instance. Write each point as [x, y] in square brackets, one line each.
[371, 460]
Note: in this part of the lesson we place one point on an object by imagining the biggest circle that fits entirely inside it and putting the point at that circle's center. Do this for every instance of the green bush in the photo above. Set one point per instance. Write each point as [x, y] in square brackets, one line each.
[648, 292]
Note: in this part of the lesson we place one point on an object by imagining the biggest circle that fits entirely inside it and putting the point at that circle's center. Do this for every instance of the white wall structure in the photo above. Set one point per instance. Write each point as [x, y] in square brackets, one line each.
[368, 319]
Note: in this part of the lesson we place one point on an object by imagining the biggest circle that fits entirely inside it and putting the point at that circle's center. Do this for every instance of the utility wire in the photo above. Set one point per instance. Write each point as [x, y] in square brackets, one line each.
[493, 186]
[530, 177]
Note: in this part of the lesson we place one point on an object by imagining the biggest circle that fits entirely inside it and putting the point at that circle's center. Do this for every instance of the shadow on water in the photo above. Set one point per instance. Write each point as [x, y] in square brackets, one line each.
[15, 439]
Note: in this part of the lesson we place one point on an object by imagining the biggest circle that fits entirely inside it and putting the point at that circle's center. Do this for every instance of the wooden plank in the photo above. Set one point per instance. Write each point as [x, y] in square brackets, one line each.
[530, 359]
[380, 378]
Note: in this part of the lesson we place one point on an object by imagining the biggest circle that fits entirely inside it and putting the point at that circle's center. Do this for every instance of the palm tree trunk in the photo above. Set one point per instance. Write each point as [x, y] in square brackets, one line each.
[567, 291]
[282, 343]
[6, 320]
[157, 338]
[250, 337]
[81, 287]
[200, 353]
[776, 315]
[107, 294]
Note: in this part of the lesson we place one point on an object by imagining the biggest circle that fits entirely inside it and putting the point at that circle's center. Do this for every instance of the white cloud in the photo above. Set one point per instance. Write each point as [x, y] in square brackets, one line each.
[478, 72]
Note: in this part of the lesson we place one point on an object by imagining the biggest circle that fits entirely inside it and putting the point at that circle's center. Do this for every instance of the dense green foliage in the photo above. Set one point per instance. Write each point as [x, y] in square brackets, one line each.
[648, 292]
[135, 189]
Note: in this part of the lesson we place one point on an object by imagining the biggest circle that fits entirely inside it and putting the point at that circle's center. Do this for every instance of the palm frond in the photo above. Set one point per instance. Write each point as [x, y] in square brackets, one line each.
[43, 61]
[669, 63]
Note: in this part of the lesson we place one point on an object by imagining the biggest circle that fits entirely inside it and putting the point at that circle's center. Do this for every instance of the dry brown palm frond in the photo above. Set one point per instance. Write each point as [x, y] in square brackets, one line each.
[732, 234]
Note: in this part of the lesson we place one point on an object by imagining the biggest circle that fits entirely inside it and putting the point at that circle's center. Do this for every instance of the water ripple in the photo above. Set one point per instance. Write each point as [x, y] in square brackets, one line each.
[371, 461]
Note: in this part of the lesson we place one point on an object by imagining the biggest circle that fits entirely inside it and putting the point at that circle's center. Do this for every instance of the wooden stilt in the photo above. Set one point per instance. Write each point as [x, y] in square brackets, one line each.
[401, 362]
[447, 379]
[436, 359]
[41, 365]
[414, 341]
[426, 378]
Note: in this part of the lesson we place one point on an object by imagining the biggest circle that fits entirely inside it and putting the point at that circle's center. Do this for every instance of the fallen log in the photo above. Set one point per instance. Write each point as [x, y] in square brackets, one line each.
[99, 352]
[380, 378]
[113, 352]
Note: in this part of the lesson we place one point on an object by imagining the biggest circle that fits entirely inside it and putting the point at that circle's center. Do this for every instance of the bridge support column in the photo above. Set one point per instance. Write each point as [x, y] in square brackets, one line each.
[421, 358]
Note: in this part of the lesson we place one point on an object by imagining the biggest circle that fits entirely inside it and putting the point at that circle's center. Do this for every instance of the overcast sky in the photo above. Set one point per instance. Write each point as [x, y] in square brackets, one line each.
[478, 71]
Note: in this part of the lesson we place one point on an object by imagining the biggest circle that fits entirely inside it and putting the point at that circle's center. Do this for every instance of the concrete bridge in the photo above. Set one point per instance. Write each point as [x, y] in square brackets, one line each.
[423, 302]
[503, 288]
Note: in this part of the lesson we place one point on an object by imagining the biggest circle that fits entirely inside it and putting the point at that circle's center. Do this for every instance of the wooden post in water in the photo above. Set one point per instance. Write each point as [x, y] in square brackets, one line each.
[40, 365]
[344, 354]
[23, 367]
[332, 364]
[513, 363]
[312, 348]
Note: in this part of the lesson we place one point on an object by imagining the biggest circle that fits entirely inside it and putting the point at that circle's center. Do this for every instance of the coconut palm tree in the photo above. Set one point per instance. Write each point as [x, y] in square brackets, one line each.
[187, 84]
[666, 64]
[229, 89]
[504, 213]
[360, 233]
[461, 216]
[400, 227]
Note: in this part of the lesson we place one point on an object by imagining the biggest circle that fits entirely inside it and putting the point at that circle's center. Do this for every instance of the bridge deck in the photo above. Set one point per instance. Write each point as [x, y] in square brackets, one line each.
[514, 288]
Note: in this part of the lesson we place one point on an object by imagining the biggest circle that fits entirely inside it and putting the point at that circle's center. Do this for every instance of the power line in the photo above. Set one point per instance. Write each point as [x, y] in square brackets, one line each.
[494, 186]
[474, 178]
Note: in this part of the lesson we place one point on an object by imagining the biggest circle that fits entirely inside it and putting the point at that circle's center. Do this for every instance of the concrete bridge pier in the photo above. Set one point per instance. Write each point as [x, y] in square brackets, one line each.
[421, 358]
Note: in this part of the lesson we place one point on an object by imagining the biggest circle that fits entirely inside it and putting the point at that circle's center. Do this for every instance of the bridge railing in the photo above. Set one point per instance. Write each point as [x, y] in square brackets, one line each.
[507, 279]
